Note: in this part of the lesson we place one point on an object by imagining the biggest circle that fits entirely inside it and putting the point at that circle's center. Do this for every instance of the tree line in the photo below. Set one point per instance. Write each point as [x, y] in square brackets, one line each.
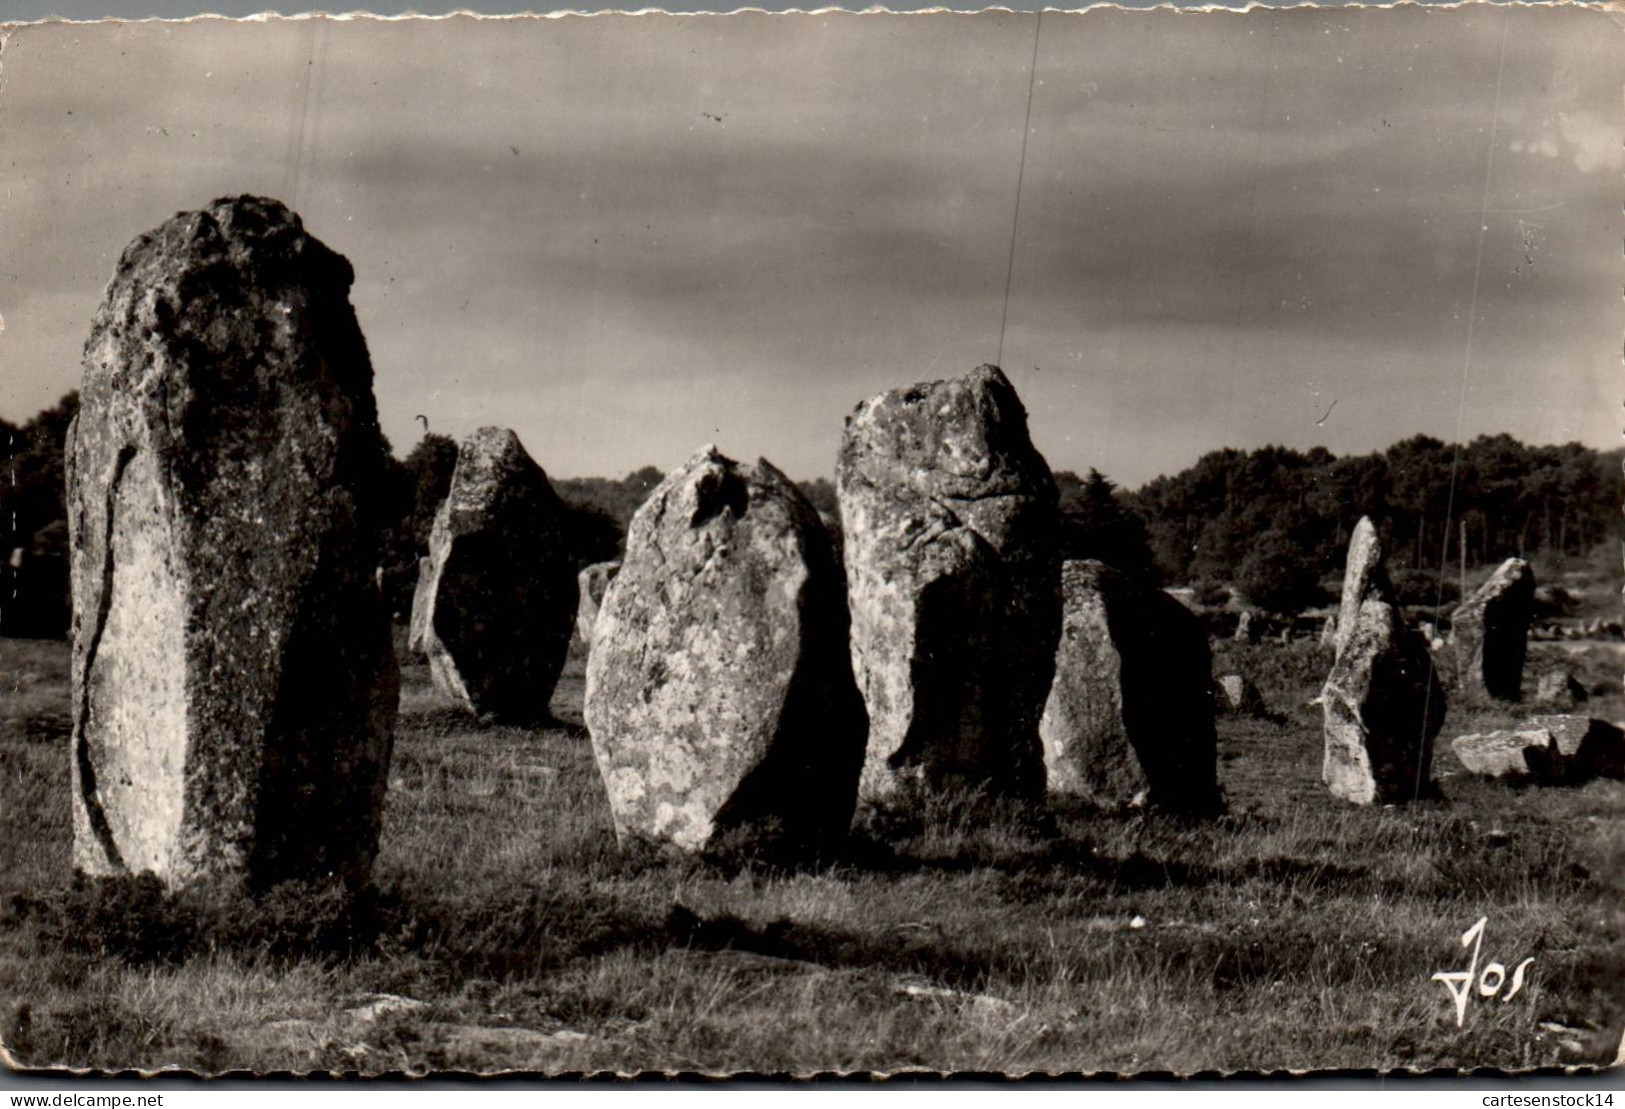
[1272, 523]
[1277, 521]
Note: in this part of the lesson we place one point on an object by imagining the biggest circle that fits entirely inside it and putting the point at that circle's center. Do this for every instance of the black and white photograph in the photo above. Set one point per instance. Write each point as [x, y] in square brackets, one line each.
[1010, 543]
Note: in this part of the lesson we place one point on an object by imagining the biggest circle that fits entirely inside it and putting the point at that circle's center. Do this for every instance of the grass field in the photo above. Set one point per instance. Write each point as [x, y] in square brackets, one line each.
[508, 932]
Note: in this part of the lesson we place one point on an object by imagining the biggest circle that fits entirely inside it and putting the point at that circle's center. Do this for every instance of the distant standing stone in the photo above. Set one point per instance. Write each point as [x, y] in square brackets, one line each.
[1245, 632]
[1328, 632]
[1560, 689]
[1492, 632]
[592, 583]
[234, 682]
[1239, 695]
[1129, 719]
[1382, 702]
[719, 687]
[500, 601]
[950, 519]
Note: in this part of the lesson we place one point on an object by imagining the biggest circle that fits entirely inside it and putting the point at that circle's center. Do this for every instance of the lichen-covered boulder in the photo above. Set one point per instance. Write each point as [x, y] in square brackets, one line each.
[500, 601]
[1382, 702]
[1492, 632]
[592, 583]
[1129, 718]
[1524, 754]
[719, 694]
[234, 681]
[950, 518]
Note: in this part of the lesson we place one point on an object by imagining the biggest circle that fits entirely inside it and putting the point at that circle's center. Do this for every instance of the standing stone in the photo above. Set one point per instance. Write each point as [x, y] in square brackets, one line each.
[500, 602]
[1129, 719]
[592, 583]
[234, 681]
[1363, 574]
[1328, 632]
[1492, 632]
[417, 635]
[1559, 689]
[1589, 748]
[719, 690]
[950, 519]
[1237, 694]
[1382, 702]
[1245, 632]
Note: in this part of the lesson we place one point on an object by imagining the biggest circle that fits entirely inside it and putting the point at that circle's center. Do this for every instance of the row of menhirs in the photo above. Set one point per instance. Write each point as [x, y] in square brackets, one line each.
[235, 685]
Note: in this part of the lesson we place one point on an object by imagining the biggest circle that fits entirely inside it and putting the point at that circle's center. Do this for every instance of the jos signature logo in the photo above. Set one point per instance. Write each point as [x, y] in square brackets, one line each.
[1489, 981]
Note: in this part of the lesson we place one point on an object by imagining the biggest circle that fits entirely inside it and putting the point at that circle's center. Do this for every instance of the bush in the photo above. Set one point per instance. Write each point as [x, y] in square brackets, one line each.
[1278, 575]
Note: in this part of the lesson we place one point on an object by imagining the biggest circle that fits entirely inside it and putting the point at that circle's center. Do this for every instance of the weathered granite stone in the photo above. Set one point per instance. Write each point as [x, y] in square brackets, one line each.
[1129, 719]
[1524, 754]
[719, 687]
[1382, 702]
[234, 682]
[950, 519]
[501, 596]
[1238, 694]
[1589, 748]
[1491, 630]
[592, 583]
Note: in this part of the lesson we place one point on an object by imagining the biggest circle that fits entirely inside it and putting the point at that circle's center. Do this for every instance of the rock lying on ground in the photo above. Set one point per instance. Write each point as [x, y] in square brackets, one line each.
[950, 519]
[1129, 719]
[1491, 631]
[234, 681]
[719, 694]
[500, 600]
[1527, 754]
[1382, 702]
[1550, 750]
[592, 583]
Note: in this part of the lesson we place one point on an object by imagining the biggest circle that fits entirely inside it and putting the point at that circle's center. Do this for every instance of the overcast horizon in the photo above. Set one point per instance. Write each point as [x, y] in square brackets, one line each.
[628, 236]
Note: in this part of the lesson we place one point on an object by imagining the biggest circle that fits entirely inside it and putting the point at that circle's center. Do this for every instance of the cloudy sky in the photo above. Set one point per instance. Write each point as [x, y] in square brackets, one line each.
[628, 236]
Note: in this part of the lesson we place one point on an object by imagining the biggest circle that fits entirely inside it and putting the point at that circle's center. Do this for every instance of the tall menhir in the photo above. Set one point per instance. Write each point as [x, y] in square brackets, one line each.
[953, 579]
[234, 682]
